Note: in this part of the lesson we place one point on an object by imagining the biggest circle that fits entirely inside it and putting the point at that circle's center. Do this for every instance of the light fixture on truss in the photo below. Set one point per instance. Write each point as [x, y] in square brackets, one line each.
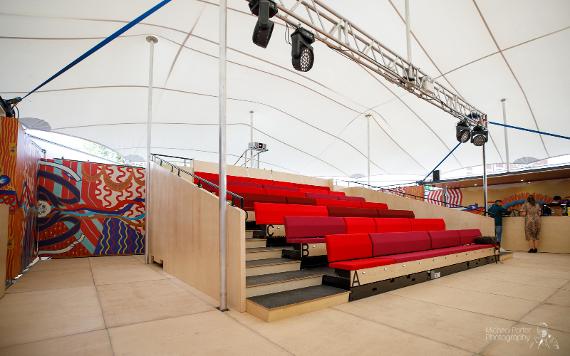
[264, 10]
[302, 55]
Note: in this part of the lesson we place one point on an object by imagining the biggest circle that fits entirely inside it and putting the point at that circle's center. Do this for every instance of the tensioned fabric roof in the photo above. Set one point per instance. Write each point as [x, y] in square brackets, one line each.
[313, 122]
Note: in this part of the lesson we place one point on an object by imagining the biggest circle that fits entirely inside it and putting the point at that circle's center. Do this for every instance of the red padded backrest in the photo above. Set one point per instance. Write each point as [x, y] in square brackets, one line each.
[389, 213]
[285, 193]
[267, 213]
[392, 243]
[250, 200]
[348, 247]
[336, 194]
[360, 199]
[441, 239]
[321, 196]
[467, 236]
[428, 224]
[350, 211]
[244, 190]
[393, 224]
[313, 226]
[331, 202]
[300, 200]
[360, 225]
[373, 205]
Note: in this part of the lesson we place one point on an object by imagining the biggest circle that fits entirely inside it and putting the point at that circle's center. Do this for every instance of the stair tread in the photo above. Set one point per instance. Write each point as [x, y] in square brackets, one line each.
[269, 262]
[263, 249]
[280, 277]
[296, 296]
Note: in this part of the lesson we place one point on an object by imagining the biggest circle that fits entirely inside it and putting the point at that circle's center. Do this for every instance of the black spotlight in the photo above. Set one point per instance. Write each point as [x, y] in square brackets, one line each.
[264, 10]
[302, 55]
[463, 131]
[479, 135]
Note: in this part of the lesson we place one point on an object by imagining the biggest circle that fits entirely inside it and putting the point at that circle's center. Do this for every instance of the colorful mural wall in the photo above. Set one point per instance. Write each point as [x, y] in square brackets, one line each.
[90, 209]
[19, 158]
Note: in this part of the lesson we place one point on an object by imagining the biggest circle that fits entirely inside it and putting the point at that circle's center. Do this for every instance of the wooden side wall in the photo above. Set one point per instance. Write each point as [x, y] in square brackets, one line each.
[554, 234]
[210, 167]
[454, 219]
[184, 236]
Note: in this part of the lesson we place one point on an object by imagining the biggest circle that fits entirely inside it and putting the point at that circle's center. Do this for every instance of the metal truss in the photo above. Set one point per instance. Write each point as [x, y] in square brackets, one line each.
[340, 34]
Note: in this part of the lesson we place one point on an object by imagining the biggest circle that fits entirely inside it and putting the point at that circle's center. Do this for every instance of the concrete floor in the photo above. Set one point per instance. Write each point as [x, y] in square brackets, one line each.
[118, 305]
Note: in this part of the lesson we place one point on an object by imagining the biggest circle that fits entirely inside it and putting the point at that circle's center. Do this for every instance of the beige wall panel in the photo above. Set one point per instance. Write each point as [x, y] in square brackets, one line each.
[185, 236]
[554, 234]
[454, 219]
[4, 216]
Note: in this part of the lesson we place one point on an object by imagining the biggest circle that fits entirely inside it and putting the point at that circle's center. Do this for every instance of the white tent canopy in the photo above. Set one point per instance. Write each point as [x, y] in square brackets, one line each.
[313, 123]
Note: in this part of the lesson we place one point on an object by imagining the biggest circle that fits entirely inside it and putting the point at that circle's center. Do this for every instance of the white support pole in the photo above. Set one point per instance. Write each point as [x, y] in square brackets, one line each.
[222, 151]
[152, 40]
[503, 104]
[250, 136]
[408, 35]
[484, 178]
[368, 118]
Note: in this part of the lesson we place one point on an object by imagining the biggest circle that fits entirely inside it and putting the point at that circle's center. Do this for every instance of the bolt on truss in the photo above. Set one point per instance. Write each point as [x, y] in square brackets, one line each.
[340, 34]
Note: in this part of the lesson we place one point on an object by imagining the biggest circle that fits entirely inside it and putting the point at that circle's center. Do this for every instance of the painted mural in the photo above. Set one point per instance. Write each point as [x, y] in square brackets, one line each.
[19, 158]
[90, 209]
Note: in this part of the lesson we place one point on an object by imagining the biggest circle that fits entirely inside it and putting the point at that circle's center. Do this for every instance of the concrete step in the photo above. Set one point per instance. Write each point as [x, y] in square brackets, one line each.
[255, 243]
[284, 281]
[270, 265]
[261, 253]
[282, 305]
[253, 233]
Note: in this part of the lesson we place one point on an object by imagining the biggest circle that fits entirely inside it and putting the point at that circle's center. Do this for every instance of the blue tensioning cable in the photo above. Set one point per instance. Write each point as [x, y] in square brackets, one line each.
[101, 44]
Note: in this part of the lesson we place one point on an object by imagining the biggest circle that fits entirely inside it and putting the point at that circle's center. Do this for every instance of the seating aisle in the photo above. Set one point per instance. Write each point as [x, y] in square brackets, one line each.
[118, 305]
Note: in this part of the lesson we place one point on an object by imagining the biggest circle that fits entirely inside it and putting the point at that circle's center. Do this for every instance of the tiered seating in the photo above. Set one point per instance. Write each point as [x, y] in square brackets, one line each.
[374, 258]
[313, 229]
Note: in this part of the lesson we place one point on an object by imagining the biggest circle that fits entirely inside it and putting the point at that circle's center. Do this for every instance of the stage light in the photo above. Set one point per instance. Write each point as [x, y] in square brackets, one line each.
[479, 135]
[264, 10]
[302, 55]
[463, 131]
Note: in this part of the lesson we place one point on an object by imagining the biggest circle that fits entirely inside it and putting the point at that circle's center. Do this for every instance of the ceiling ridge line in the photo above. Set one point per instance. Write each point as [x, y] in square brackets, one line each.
[506, 49]
[513, 74]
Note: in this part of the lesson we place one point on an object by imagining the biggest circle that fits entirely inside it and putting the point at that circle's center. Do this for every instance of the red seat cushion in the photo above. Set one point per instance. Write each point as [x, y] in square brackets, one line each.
[359, 225]
[469, 235]
[350, 211]
[348, 247]
[267, 213]
[441, 239]
[333, 202]
[391, 243]
[393, 224]
[420, 255]
[374, 205]
[361, 199]
[362, 263]
[428, 224]
[390, 213]
[313, 226]
[321, 196]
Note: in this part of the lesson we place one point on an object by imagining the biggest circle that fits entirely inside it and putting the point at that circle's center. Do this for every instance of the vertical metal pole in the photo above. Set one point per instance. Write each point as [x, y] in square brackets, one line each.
[408, 33]
[152, 40]
[503, 104]
[368, 118]
[445, 196]
[251, 136]
[222, 151]
[484, 178]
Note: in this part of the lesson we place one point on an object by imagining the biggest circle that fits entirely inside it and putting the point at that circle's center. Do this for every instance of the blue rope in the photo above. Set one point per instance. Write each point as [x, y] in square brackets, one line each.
[444, 158]
[101, 44]
[529, 130]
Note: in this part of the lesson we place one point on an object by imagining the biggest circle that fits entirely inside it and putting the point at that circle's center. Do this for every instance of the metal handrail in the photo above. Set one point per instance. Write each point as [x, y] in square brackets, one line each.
[416, 197]
[234, 197]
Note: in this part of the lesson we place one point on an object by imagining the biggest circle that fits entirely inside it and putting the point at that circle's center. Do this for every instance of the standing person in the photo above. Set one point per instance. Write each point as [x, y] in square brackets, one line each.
[497, 212]
[531, 213]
